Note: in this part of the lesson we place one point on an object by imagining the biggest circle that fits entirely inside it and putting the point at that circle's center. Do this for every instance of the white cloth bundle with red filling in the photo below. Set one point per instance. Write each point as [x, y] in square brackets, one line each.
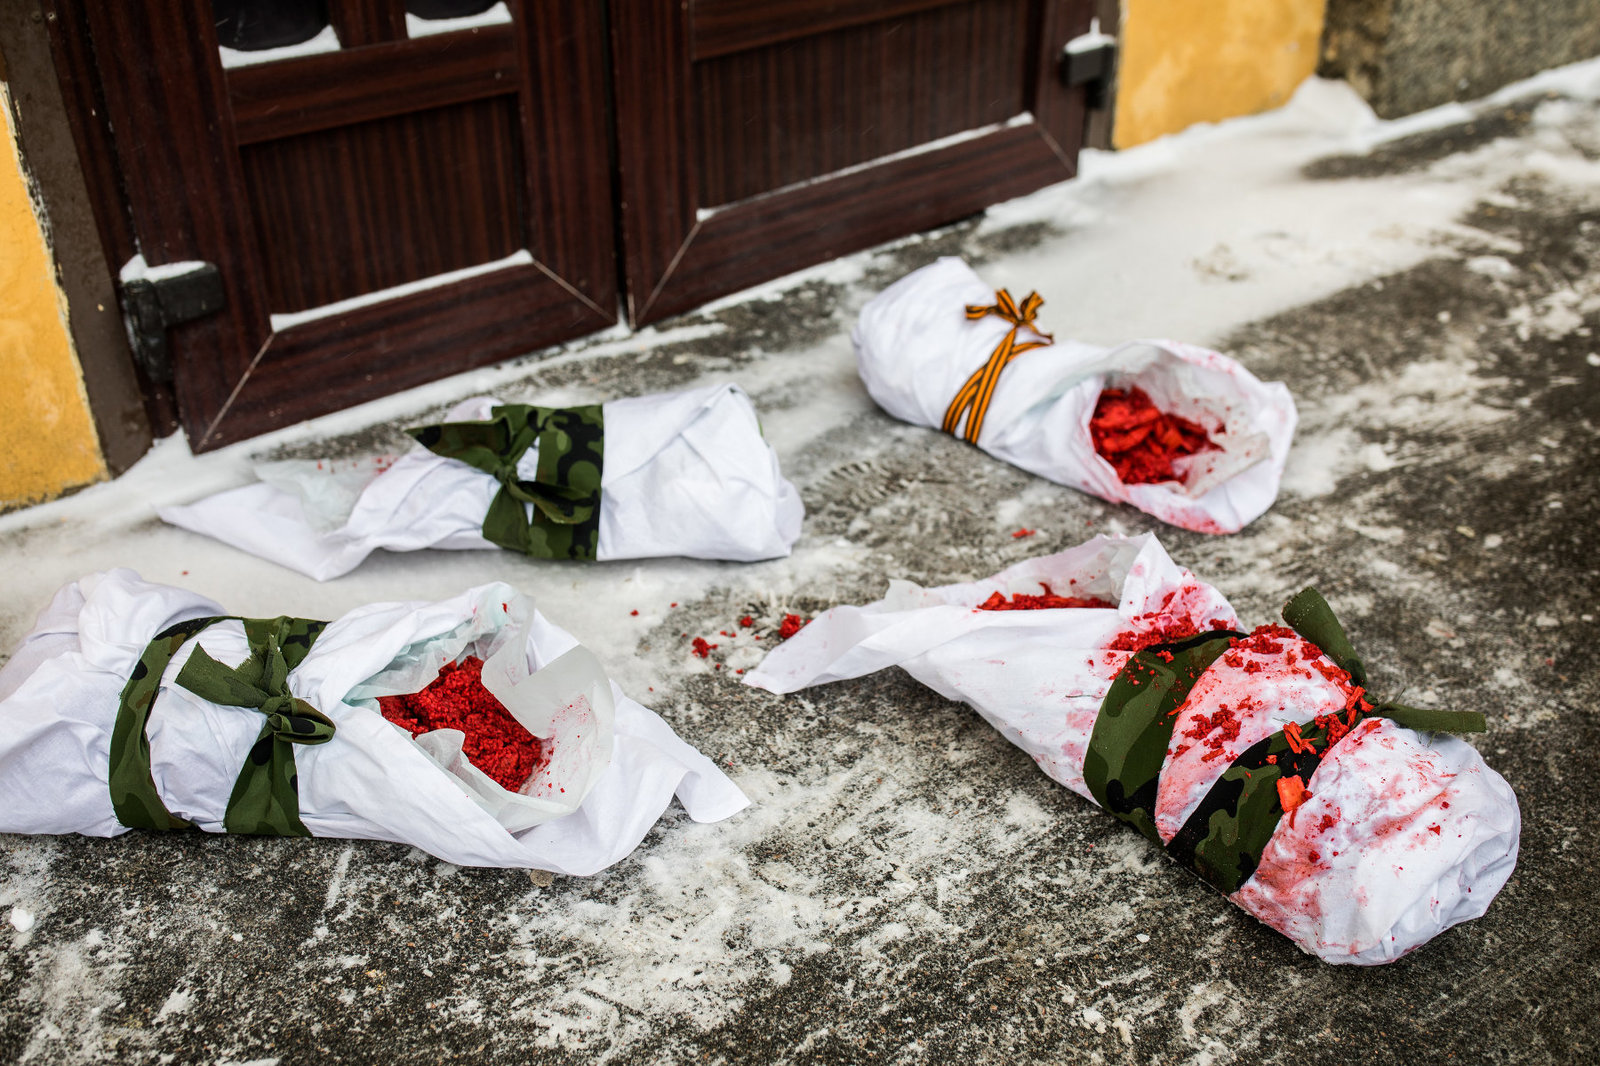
[1180, 432]
[1382, 838]
[684, 474]
[598, 768]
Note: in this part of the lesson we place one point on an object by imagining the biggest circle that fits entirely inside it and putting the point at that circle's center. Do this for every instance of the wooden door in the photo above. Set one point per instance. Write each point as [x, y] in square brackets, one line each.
[755, 137]
[425, 198]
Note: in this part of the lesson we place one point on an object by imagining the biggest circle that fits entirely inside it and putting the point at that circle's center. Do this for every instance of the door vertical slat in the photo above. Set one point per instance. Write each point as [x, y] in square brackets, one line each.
[561, 53]
[364, 22]
[180, 168]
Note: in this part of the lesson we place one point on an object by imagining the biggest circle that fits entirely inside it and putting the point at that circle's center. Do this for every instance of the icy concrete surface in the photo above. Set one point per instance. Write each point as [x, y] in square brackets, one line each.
[908, 887]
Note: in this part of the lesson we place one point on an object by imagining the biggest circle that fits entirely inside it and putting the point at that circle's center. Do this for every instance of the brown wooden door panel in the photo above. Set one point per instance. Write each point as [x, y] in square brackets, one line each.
[335, 177]
[756, 138]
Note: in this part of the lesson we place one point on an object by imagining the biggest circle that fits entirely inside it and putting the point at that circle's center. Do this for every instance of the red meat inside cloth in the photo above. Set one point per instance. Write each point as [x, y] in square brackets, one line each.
[496, 743]
[1139, 439]
[1023, 602]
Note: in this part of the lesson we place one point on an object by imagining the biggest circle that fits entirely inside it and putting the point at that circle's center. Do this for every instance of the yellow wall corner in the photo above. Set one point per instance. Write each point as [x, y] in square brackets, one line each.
[1188, 61]
[48, 442]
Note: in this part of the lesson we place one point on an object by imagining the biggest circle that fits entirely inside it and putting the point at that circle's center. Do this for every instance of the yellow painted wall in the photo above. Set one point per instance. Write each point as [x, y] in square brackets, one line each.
[47, 439]
[1188, 61]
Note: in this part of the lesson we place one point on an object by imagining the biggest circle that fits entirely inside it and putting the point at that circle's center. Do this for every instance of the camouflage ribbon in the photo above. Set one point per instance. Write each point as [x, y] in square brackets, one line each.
[1222, 839]
[972, 401]
[557, 514]
[265, 798]
[1122, 767]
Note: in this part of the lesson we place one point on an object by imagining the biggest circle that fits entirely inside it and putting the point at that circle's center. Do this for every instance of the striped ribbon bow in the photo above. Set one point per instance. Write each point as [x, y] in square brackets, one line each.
[973, 399]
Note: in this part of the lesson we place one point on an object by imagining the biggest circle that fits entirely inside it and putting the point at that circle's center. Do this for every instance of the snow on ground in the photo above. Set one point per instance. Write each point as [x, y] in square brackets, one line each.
[906, 886]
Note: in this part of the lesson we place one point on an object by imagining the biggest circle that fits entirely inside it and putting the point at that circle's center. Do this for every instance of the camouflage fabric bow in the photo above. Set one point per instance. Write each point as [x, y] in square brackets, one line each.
[1222, 840]
[265, 798]
[563, 497]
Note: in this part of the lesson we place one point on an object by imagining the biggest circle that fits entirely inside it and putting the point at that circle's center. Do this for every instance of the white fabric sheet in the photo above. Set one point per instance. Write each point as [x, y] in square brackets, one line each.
[915, 348]
[1404, 836]
[685, 473]
[614, 768]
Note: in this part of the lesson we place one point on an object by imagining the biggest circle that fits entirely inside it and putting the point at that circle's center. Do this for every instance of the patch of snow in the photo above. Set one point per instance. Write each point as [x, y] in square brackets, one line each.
[325, 41]
[497, 15]
[22, 919]
[136, 269]
[1021, 119]
[281, 322]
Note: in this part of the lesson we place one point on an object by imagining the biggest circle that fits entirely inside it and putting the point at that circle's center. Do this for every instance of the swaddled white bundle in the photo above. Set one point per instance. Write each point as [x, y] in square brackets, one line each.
[80, 752]
[684, 473]
[1376, 843]
[995, 380]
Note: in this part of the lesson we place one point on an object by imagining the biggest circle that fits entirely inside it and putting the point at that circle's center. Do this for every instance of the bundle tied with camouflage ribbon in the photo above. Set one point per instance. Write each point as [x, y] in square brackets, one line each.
[139, 706]
[941, 348]
[684, 473]
[1357, 827]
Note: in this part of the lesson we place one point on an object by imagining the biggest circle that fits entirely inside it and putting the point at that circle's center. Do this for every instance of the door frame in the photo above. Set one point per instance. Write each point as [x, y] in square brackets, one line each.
[180, 181]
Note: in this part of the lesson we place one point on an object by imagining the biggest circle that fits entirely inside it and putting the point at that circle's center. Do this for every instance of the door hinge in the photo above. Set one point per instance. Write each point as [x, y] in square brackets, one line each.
[152, 305]
[1091, 61]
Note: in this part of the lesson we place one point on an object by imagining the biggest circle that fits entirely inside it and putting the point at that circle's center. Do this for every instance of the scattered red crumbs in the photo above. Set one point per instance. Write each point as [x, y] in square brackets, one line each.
[1292, 792]
[746, 622]
[792, 624]
[1019, 534]
[701, 648]
[496, 743]
[1021, 601]
[633, 612]
[672, 605]
[1140, 440]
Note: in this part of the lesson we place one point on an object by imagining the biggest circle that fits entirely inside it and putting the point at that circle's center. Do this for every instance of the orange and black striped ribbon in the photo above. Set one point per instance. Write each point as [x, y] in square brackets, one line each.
[973, 399]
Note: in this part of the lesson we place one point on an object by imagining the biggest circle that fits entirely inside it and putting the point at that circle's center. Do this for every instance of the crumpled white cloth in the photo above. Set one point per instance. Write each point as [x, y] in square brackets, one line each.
[685, 473]
[915, 348]
[1423, 833]
[614, 768]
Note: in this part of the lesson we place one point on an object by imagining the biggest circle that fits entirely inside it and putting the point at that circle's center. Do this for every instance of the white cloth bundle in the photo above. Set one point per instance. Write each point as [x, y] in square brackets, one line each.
[915, 348]
[613, 765]
[686, 473]
[1402, 837]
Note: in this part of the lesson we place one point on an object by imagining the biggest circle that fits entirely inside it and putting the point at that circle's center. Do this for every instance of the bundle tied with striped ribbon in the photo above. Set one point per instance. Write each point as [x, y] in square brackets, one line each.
[1357, 827]
[941, 348]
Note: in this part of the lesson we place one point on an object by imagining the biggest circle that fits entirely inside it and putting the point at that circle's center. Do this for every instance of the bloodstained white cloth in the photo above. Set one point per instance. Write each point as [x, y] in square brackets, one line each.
[685, 473]
[916, 348]
[613, 765]
[1404, 836]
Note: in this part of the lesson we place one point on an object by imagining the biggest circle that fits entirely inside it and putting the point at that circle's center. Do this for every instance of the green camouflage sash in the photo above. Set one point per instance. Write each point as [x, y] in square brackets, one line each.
[1222, 840]
[266, 798]
[565, 492]
[1133, 730]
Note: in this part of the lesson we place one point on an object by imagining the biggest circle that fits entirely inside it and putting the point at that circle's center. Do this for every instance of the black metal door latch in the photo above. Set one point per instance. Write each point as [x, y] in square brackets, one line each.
[1090, 61]
[152, 306]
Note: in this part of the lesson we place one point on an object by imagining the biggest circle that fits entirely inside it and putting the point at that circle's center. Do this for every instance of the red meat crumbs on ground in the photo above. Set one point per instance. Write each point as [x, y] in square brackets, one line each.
[1021, 601]
[792, 624]
[1019, 534]
[1139, 439]
[496, 743]
[746, 622]
[701, 648]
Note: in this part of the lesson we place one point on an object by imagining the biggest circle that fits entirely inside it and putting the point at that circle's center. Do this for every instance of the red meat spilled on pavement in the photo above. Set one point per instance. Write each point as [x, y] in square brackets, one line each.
[496, 742]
